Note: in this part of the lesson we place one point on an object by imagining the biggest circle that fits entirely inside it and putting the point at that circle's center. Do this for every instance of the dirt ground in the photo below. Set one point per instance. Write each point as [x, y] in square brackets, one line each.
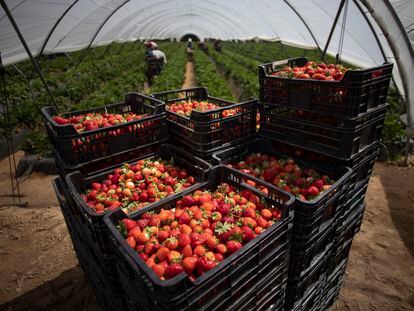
[39, 270]
[190, 79]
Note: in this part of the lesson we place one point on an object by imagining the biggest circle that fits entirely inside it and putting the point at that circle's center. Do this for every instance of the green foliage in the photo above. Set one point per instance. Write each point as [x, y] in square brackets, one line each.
[247, 62]
[394, 134]
[37, 143]
[245, 78]
[266, 52]
[207, 76]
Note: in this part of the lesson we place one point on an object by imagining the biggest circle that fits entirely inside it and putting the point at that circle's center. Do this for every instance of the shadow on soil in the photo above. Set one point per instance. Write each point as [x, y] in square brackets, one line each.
[69, 291]
[400, 195]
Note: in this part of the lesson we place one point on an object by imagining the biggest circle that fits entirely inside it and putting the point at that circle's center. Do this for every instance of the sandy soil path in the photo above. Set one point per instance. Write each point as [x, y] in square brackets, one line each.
[39, 270]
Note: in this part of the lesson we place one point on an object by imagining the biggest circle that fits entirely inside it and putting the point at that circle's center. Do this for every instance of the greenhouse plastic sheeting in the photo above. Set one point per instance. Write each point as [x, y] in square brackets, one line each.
[301, 23]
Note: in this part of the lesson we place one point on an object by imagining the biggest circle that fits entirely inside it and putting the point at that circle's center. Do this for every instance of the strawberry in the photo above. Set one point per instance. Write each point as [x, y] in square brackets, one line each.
[171, 243]
[173, 270]
[183, 240]
[131, 242]
[248, 234]
[189, 264]
[269, 175]
[313, 191]
[158, 269]
[162, 254]
[233, 246]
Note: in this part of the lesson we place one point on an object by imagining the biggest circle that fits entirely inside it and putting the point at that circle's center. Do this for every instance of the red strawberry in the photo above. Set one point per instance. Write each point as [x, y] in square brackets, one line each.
[233, 246]
[173, 270]
[129, 224]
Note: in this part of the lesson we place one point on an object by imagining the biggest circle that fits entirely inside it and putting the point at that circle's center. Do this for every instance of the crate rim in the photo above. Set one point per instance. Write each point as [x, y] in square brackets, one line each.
[262, 70]
[101, 129]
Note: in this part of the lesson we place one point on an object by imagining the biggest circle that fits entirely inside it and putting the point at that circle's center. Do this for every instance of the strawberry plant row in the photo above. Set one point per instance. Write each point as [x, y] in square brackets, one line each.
[207, 75]
[246, 80]
[247, 62]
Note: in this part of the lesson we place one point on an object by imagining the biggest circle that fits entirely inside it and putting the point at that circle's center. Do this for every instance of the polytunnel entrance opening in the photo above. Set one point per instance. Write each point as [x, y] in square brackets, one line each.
[190, 35]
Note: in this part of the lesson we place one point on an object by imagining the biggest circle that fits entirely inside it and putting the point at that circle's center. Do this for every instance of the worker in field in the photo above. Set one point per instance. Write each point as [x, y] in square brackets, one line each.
[155, 59]
[190, 49]
[217, 45]
[202, 46]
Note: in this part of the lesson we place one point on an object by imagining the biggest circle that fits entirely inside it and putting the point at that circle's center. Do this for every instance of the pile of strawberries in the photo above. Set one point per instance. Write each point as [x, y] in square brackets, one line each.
[201, 231]
[93, 121]
[186, 107]
[305, 183]
[315, 71]
[134, 186]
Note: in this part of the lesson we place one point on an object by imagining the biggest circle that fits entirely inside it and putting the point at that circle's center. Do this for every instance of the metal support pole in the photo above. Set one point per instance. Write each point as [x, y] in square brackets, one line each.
[94, 53]
[98, 30]
[304, 22]
[341, 5]
[120, 50]
[9, 138]
[106, 50]
[33, 60]
[70, 58]
[55, 26]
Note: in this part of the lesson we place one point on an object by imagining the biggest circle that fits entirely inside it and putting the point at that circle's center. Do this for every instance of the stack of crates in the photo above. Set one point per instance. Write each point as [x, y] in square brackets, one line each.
[253, 278]
[313, 223]
[88, 154]
[334, 123]
[85, 157]
[204, 133]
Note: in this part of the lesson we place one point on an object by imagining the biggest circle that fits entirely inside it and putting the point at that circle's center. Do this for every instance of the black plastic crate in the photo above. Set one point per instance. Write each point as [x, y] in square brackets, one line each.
[311, 217]
[331, 298]
[333, 284]
[304, 255]
[343, 240]
[356, 93]
[205, 131]
[351, 224]
[100, 271]
[209, 155]
[270, 291]
[361, 164]
[340, 253]
[231, 278]
[110, 162]
[75, 148]
[92, 224]
[352, 205]
[300, 289]
[312, 301]
[335, 137]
